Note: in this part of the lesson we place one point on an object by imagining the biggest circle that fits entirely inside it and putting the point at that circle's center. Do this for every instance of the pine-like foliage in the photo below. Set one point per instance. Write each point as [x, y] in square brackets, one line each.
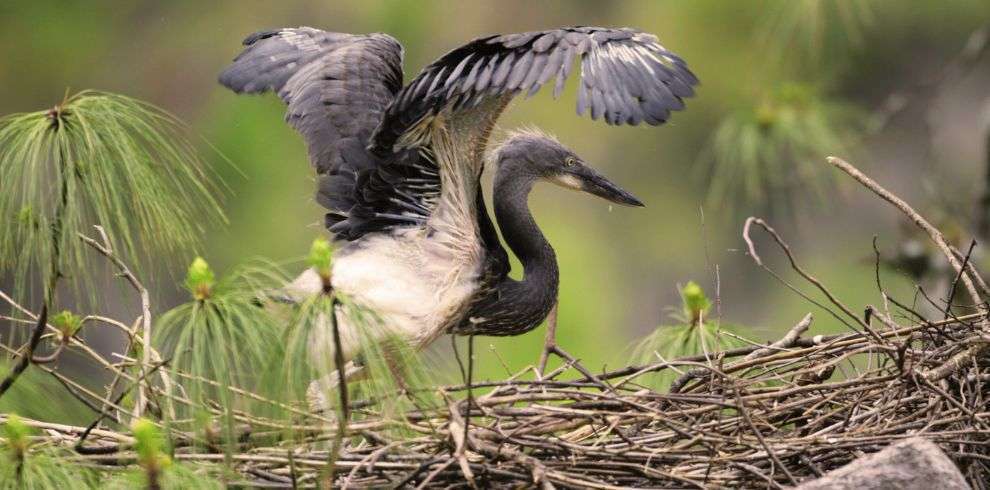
[221, 338]
[694, 333]
[24, 467]
[98, 159]
[387, 378]
[769, 155]
[157, 470]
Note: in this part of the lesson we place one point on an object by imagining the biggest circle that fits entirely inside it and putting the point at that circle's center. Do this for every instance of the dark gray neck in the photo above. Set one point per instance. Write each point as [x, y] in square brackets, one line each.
[519, 229]
[519, 306]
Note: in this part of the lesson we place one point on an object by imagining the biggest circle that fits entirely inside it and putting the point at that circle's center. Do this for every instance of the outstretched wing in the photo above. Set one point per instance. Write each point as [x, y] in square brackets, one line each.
[627, 77]
[337, 87]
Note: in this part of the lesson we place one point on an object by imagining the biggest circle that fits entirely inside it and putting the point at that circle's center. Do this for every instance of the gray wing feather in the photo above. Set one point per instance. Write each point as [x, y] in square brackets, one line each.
[337, 86]
[627, 77]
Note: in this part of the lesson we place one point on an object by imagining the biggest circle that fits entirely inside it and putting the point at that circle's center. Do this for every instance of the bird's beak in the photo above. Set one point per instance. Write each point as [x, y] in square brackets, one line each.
[584, 178]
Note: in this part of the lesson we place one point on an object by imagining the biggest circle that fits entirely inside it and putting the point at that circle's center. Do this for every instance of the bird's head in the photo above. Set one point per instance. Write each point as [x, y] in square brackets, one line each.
[540, 156]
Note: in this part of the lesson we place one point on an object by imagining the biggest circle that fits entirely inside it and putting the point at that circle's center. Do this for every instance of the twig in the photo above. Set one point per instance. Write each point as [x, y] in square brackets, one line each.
[104, 412]
[759, 436]
[25, 359]
[918, 220]
[955, 282]
[786, 341]
[797, 268]
[344, 411]
[106, 250]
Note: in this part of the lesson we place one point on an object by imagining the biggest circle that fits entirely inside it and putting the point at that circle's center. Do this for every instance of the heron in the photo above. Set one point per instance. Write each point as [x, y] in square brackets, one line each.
[399, 166]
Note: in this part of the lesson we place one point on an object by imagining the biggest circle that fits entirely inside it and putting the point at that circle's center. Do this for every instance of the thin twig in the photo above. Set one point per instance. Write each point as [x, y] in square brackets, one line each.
[344, 410]
[25, 359]
[916, 218]
[106, 250]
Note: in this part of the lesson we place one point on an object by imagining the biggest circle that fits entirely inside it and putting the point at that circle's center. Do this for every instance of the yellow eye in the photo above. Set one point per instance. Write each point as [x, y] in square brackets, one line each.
[570, 161]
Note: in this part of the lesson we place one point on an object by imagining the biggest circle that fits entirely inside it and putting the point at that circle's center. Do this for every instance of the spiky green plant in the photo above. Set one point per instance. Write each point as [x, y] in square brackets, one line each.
[321, 259]
[175, 476]
[694, 333]
[157, 469]
[222, 336]
[98, 159]
[23, 467]
[770, 154]
[399, 377]
[807, 30]
[393, 375]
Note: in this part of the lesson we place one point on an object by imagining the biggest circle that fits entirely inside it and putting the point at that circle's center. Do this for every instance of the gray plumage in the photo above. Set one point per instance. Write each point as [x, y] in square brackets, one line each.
[399, 167]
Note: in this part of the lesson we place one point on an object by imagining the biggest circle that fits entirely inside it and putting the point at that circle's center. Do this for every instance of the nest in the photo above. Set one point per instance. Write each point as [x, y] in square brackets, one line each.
[751, 417]
[767, 415]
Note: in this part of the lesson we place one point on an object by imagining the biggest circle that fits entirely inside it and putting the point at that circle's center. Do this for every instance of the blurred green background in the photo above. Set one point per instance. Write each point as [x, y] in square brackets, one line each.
[619, 267]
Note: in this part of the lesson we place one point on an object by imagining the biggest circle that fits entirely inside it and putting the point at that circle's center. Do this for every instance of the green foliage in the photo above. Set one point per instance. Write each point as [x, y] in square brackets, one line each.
[696, 304]
[17, 436]
[770, 155]
[157, 469]
[22, 467]
[399, 377]
[393, 376]
[200, 279]
[34, 385]
[173, 477]
[694, 334]
[223, 334]
[808, 29]
[98, 159]
[149, 444]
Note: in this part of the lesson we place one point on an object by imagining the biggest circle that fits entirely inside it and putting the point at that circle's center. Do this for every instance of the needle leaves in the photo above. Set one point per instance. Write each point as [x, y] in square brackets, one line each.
[99, 159]
[769, 156]
[694, 333]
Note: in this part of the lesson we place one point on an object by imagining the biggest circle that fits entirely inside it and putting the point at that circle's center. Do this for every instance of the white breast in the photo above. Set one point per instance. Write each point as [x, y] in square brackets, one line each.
[415, 285]
[419, 281]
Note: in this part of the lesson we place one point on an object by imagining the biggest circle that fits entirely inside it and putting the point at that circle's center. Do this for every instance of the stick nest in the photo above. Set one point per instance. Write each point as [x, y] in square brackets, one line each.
[769, 415]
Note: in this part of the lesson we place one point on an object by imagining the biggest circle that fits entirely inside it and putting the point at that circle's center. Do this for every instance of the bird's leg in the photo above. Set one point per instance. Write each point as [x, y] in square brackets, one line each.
[550, 342]
[550, 347]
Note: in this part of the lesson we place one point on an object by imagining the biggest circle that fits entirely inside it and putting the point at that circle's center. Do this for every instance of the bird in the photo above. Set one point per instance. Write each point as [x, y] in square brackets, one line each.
[398, 166]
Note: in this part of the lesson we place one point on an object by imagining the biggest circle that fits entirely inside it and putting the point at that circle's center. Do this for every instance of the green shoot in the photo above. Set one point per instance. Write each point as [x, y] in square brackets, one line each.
[320, 258]
[67, 323]
[695, 333]
[157, 470]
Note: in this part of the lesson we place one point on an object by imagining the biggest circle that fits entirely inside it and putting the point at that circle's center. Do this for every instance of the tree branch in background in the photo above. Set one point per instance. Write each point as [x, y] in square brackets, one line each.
[918, 220]
[106, 250]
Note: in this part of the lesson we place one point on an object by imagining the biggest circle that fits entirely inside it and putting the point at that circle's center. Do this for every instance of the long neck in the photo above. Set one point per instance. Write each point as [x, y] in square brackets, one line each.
[510, 307]
[523, 236]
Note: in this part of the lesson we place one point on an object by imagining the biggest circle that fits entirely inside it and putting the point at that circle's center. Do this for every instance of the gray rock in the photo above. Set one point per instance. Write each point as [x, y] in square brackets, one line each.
[912, 464]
